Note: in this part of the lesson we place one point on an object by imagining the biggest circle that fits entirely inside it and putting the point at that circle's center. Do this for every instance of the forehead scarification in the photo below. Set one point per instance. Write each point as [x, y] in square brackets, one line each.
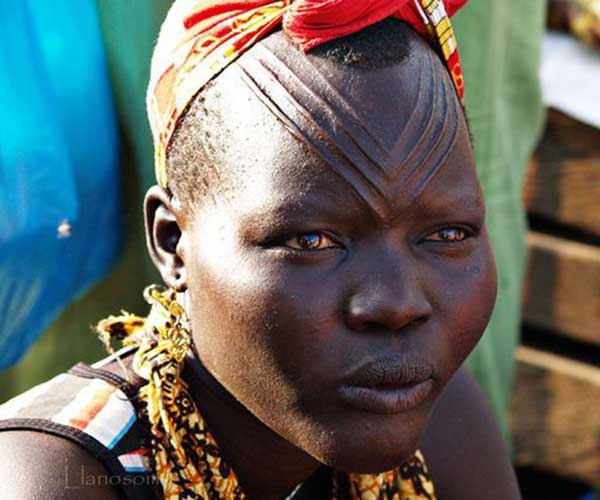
[311, 119]
[383, 145]
[429, 134]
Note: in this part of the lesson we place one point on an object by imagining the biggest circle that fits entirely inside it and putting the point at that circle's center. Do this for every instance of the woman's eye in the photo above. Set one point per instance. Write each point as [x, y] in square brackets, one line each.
[449, 235]
[311, 241]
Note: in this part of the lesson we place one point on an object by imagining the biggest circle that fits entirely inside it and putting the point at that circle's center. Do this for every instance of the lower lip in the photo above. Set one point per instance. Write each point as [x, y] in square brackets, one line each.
[386, 400]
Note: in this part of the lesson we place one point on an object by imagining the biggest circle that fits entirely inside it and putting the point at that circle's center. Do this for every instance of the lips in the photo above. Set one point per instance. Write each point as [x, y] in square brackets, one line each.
[389, 385]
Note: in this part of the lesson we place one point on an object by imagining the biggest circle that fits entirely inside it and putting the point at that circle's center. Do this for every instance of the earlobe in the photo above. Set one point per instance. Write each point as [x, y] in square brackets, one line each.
[164, 238]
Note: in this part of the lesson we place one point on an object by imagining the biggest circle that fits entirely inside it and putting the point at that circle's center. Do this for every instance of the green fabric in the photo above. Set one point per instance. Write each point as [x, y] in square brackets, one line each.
[130, 30]
[500, 47]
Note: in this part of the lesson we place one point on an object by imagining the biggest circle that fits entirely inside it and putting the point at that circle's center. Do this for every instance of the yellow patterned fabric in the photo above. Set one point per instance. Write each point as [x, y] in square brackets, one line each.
[186, 457]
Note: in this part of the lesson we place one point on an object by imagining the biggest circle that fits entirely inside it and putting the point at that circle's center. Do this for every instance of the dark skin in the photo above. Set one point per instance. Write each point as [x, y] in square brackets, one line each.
[303, 270]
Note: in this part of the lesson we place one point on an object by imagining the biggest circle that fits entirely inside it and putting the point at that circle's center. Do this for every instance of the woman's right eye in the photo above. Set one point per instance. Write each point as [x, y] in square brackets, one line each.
[311, 241]
[449, 234]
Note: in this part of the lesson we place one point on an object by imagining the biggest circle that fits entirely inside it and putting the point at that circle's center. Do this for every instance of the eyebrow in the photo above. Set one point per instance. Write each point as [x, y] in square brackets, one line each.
[469, 204]
[336, 209]
[342, 211]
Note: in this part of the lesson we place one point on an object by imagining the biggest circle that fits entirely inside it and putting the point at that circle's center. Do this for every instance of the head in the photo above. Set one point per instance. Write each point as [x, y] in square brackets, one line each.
[324, 214]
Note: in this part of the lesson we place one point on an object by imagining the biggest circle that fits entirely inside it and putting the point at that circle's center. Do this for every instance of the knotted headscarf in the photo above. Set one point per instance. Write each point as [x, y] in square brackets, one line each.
[200, 38]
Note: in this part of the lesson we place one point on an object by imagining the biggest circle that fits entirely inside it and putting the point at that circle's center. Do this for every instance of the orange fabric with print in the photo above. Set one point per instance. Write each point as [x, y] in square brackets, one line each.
[200, 38]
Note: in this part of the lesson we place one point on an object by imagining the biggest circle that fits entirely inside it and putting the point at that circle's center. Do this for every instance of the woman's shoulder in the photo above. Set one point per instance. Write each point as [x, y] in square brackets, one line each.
[82, 426]
[38, 465]
[465, 450]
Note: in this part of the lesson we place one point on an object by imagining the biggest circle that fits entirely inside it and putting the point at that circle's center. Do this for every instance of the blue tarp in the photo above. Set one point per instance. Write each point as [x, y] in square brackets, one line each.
[59, 189]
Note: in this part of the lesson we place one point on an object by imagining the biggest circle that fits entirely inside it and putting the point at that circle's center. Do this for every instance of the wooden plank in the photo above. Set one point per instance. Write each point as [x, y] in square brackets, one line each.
[563, 178]
[562, 287]
[580, 17]
[555, 415]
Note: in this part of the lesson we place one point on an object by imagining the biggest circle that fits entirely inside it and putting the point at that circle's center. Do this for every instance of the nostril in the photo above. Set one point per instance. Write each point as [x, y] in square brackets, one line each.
[417, 321]
[387, 325]
[371, 325]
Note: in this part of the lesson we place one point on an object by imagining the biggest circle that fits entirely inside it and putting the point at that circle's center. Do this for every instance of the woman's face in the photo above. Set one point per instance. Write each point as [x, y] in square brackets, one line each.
[333, 308]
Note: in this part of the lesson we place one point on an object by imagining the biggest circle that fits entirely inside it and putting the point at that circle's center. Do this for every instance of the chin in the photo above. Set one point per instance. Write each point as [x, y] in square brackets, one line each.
[376, 446]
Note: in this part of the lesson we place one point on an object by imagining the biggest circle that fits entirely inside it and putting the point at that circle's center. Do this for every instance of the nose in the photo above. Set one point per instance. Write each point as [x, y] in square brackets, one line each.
[390, 299]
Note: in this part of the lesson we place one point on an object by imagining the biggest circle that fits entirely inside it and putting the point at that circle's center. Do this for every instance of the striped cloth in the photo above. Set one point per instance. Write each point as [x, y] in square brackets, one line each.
[96, 409]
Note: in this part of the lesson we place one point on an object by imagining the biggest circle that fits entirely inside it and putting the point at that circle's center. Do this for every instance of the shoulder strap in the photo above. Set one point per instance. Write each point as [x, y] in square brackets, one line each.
[96, 409]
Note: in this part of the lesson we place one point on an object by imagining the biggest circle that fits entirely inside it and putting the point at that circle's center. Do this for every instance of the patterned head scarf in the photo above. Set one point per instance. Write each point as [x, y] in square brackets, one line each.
[200, 38]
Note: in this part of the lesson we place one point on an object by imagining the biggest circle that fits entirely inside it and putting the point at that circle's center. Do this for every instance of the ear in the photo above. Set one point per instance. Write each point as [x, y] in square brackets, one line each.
[164, 237]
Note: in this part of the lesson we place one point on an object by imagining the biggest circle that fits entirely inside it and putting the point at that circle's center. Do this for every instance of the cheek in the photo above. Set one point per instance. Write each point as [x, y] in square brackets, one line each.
[464, 294]
[268, 337]
[259, 327]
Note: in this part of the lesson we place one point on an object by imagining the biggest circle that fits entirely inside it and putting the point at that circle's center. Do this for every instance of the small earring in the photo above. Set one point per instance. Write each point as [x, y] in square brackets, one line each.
[178, 283]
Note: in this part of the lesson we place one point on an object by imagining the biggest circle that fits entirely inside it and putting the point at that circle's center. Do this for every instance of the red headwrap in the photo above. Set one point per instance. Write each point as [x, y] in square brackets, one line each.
[200, 38]
[313, 22]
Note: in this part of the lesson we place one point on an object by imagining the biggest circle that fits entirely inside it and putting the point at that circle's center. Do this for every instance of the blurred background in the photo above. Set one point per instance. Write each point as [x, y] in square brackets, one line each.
[76, 157]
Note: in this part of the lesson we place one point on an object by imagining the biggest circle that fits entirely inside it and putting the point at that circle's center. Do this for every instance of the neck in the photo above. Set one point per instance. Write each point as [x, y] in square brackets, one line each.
[267, 466]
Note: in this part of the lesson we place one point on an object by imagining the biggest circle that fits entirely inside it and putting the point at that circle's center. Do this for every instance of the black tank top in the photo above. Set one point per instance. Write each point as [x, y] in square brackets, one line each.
[98, 410]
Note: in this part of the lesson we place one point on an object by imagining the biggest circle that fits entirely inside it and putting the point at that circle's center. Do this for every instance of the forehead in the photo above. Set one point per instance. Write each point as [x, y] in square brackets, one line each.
[383, 132]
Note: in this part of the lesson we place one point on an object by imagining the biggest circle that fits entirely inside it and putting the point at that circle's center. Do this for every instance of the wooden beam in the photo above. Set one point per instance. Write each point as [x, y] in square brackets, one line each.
[555, 415]
[563, 179]
[562, 287]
